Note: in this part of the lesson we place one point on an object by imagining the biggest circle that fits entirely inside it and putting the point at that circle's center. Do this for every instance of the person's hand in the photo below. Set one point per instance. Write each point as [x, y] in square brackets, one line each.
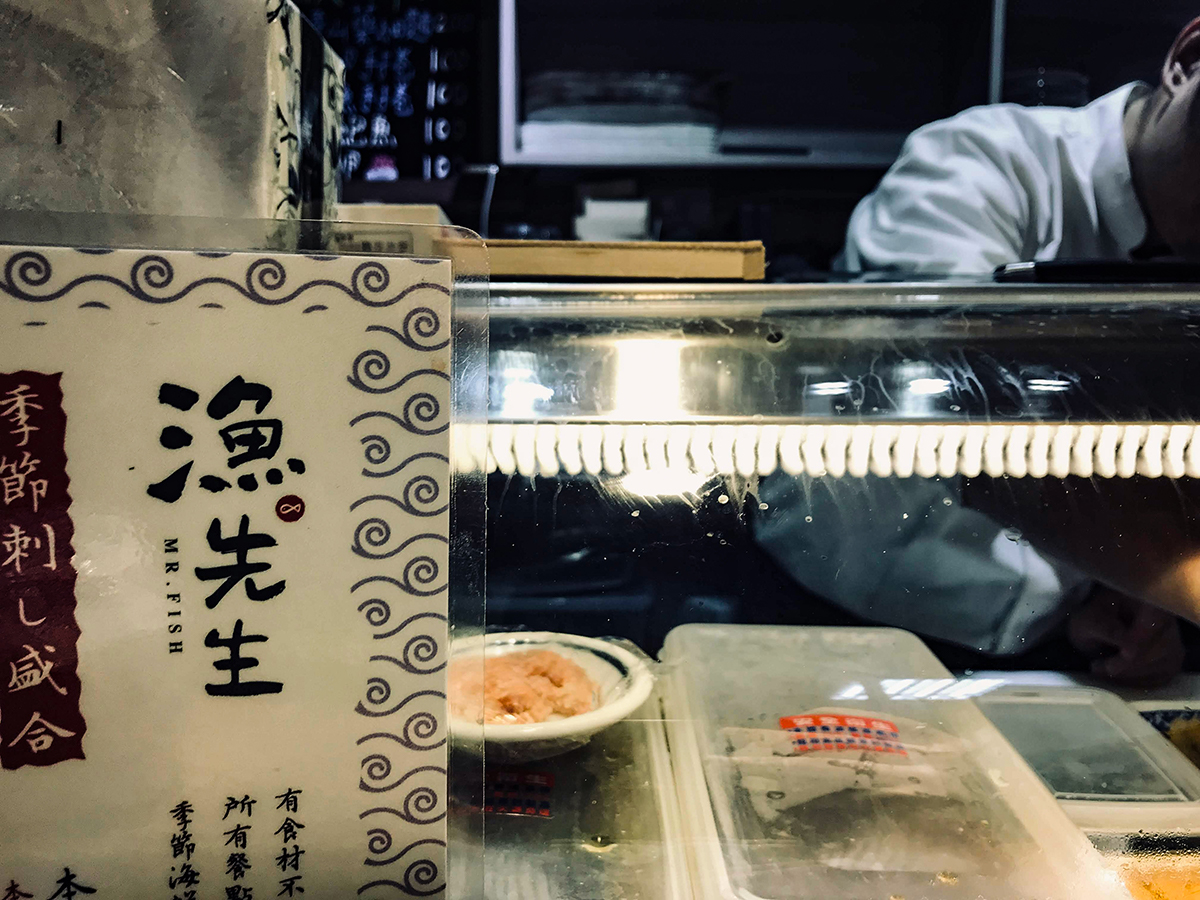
[1131, 642]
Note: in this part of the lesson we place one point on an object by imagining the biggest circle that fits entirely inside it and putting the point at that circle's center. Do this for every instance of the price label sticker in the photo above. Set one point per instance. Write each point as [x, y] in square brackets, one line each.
[511, 792]
[821, 733]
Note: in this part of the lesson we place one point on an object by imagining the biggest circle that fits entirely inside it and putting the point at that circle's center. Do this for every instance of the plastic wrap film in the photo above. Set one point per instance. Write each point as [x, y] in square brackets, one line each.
[168, 107]
[165, 410]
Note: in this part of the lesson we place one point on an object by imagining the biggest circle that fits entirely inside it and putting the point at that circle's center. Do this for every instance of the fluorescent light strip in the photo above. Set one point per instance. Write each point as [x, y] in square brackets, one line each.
[905, 450]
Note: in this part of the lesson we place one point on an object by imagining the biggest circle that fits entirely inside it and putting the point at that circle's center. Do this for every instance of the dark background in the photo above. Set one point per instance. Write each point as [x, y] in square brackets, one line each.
[871, 65]
[562, 554]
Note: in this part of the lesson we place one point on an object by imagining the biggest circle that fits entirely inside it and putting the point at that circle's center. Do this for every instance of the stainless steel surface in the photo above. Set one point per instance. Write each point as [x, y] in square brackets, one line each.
[996, 51]
[509, 78]
[649, 298]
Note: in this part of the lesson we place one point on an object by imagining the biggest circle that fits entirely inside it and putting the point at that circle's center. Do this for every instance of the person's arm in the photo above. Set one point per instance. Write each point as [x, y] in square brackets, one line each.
[905, 552]
[961, 199]
[1139, 536]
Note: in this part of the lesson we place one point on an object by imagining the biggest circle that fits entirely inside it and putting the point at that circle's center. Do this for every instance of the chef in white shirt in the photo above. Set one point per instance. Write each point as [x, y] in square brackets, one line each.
[1005, 183]
[1115, 180]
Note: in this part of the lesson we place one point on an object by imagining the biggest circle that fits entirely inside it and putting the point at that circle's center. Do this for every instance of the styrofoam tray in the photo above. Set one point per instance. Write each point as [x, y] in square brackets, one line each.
[1108, 767]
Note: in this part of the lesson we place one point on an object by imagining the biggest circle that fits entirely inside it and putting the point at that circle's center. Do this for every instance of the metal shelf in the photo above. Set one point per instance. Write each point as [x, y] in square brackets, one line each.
[845, 157]
[787, 148]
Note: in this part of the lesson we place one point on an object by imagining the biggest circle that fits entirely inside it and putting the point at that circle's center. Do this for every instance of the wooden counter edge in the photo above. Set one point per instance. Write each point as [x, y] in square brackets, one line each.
[745, 260]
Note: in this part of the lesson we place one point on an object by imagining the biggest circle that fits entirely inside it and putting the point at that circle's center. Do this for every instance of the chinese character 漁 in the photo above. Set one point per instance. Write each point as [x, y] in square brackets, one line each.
[244, 441]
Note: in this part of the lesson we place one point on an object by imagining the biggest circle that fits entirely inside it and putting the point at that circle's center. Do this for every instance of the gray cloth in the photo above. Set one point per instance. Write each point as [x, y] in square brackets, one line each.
[905, 552]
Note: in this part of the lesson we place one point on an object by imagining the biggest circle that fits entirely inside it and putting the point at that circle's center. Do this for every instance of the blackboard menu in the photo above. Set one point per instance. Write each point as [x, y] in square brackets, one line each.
[412, 105]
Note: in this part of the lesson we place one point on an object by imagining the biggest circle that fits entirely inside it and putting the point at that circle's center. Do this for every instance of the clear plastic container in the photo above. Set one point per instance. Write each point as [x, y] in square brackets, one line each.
[600, 822]
[848, 763]
[1110, 769]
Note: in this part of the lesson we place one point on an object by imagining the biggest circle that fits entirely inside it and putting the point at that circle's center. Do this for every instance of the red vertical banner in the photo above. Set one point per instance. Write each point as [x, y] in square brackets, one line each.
[40, 720]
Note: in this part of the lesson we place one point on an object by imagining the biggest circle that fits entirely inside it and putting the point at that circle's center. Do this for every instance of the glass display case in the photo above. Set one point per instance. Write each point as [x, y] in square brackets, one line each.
[758, 485]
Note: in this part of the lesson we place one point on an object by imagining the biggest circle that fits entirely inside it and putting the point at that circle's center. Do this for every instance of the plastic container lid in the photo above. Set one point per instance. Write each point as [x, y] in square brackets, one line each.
[600, 822]
[1110, 769]
[848, 763]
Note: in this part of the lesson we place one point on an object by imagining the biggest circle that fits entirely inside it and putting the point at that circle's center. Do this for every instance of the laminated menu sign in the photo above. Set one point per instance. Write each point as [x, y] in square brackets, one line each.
[224, 533]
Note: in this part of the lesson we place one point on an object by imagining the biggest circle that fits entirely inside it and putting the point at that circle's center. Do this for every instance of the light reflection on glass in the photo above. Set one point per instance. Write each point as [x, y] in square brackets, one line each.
[926, 688]
[829, 388]
[854, 691]
[1049, 385]
[671, 481]
[521, 397]
[648, 380]
[929, 386]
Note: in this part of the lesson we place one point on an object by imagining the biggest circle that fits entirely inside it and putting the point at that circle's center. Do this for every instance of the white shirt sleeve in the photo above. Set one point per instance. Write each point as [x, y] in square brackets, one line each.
[962, 198]
[905, 552]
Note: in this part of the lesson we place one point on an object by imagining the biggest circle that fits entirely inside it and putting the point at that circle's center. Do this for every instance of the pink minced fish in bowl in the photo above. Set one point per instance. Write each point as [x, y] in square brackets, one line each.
[520, 688]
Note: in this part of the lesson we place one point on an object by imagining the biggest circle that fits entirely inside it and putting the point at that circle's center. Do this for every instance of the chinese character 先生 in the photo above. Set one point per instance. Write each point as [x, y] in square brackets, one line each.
[239, 546]
[236, 663]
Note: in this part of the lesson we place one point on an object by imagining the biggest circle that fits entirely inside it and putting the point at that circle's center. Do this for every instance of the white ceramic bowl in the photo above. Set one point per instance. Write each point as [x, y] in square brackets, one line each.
[621, 674]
